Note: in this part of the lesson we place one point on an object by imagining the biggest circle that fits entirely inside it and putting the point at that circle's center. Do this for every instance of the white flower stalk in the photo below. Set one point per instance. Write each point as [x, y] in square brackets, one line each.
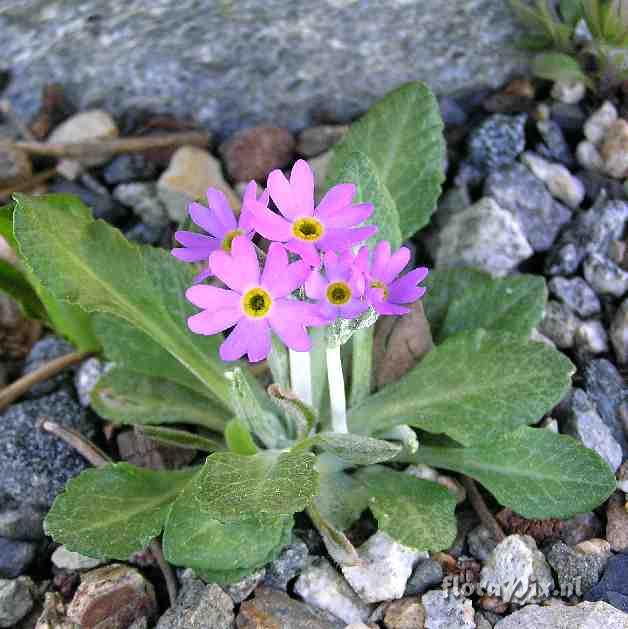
[301, 376]
[337, 397]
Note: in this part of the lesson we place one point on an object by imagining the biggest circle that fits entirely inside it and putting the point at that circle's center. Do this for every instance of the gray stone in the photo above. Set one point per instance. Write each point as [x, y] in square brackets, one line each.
[15, 557]
[447, 612]
[497, 141]
[36, 465]
[146, 234]
[271, 608]
[481, 542]
[199, 606]
[517, 571]
[617, 522]
[556, 147]
[321, 586]
[604, 276]
[426, 574]
[596, 183]
[607, 390]
[613, 586]
[242, 589]
[584, 423]
[100, 203]
[16, 600]
[592, 231]
[69, 560]
[21, 521]
[129, 168]
[384, 569]
[581, 527]
[577, 572]
[483, 236]
[619, 332]
[559, 324]
[570, 117]
[577, 294]
[582, 616]
[244, 63]
[45, 350]
[591, 339]
[316, 140]
[142, 198]
[517, 190]
[291, 560]
[86, 378]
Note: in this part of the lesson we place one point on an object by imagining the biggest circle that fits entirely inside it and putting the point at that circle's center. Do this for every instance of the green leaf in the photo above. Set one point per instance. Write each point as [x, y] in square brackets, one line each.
[402, 135]
[234, 485]
[557, 66]
[92, 264]
[6, 224]
[474, 387]
[302, 418]
[360, 170]
[16, 285]
[132, 398]
[341, 499]
[239, 439]
[535, 472]
[114, 511]
[414, 512]
[571, 11]
[353, 449]
[361, 365]
[220, 551]
[182, 439]
[465, 299]
[253, 407]
[279, 363]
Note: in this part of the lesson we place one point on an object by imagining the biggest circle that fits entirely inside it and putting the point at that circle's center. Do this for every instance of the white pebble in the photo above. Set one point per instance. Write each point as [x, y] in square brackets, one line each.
[599, 122]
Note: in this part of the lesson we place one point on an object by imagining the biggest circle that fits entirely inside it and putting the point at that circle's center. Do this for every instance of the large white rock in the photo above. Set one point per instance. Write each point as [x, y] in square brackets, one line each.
[445, 611]
[385, 569]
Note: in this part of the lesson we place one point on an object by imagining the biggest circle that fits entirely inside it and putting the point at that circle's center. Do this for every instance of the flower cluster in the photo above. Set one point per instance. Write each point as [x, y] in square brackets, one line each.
[336, 280]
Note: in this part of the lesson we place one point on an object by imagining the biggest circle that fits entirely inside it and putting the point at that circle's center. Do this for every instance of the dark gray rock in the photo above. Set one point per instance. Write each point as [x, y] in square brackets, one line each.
[15, 557]
[145, 234]
[102, 205]
[576, 571]
[16, 600]
[426, 574]
[142, 198]
[237, 64]
[604, 276]
[498, 141]
[289, 563]
[581, 527]
[451, 111]
[559, 324]
[243, 588]
[596, 183]
[619, 332]
[607, 390]
[517, 190]
[316, 140]
[127, 168]
[570, 117]
[35, 464]
[481, 542]
[21, 521]
[590, 232]
[584, 423]
[86, 378]
[45, 350]
[613, 587]
[555, 147]
[577, 294]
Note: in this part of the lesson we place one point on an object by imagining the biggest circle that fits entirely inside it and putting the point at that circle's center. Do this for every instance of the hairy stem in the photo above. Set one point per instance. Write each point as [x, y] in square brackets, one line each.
[480, 507]
[301, 376]
[337, 397]
[21, 386]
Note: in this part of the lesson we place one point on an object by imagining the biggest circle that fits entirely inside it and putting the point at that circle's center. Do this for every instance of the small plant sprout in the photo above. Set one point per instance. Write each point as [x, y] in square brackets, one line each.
[317, 431]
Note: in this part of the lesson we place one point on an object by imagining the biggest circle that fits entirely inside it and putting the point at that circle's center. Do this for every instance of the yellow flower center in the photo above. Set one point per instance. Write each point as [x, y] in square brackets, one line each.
[309, 229]
[229, 238]
[382, 286]
[256, 303]
[338, 293]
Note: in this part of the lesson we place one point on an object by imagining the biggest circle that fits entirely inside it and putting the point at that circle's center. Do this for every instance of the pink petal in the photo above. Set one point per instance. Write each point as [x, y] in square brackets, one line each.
[302, 183]
[336, 267]
[190, 255]
[353, 309]
[338, 239]
[327, 311]
[282, 194]
[335, 199]
[315, 285]
[211, 297]
[381, 255]
[208, 323]
[406, 294]
[248, 337]
[203, 275]
[206, 219]
[361, 261]
[386, 308]
[279, 277]
[220, 206]
[240, 270]
[349, 216]
[396, 264]
[288, 320]
[269, 224]
[306, 250]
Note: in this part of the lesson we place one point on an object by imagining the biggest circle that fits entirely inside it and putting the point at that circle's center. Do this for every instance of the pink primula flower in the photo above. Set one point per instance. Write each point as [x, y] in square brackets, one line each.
[254, 304]
[338, 289]
[384, 290]
[219, 221]
[307, 230]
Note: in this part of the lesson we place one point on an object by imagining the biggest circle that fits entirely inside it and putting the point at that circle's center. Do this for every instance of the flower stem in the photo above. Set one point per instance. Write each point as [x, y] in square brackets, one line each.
[337, 397]
[301, 376]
